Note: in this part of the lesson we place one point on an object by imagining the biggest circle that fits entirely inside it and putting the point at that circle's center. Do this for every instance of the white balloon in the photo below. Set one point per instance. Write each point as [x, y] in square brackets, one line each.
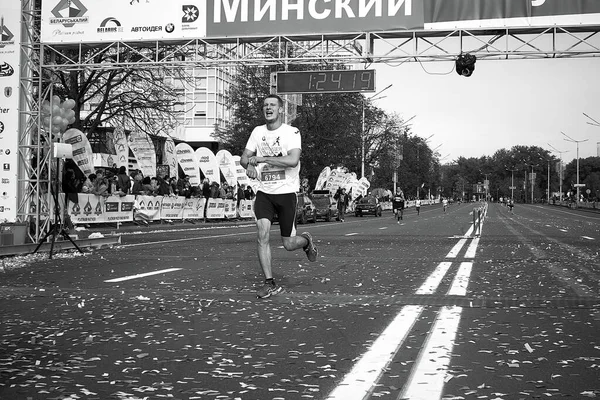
[68, 104]
[55, 100]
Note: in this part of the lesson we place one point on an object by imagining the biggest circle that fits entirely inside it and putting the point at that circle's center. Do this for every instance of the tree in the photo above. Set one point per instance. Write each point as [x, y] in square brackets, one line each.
[143, 99]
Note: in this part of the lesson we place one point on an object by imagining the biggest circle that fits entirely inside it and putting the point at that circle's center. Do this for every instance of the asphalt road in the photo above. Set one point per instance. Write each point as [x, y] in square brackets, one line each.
[422, 309]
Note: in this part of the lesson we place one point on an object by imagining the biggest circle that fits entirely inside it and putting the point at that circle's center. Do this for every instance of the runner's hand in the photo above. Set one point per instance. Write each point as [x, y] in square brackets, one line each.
[251, 172]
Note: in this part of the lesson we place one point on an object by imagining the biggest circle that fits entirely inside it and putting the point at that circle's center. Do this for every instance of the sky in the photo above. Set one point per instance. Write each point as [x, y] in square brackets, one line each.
[503, 104]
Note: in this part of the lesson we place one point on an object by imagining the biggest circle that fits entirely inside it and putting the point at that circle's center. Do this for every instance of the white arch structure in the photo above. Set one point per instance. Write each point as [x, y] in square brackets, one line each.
[491, 39]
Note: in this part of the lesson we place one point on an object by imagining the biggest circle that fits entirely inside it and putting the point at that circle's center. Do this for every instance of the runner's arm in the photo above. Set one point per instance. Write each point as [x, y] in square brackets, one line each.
[288, 161]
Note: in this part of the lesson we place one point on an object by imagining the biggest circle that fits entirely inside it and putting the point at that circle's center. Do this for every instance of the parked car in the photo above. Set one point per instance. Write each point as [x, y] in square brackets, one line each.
[325, 204]
[305, 209]
[368, 205]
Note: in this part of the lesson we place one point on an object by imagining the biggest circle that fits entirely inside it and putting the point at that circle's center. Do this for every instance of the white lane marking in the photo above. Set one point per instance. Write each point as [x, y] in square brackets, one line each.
[126, 278]
[433, 280]
[351, 234]
[456, 249]
[426, 381]
[383, 228]
[588, 238]
[358, 383]
[461, 280]
[472, 248]
[563, 230]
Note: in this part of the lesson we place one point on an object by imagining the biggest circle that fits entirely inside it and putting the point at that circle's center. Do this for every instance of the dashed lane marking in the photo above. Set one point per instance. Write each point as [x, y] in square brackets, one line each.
[351, 234]
[136, 276]
[588, 238]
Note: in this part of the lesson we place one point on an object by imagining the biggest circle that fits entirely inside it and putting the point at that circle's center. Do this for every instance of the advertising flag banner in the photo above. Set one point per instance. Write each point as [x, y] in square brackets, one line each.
[208, 164]
[143, 149]
[169, 157]
[227, 166]
[121, 147]
[10, 39]
[240, 172]
[363, 186]
[186, 158]
[82, 150]
[322, 179]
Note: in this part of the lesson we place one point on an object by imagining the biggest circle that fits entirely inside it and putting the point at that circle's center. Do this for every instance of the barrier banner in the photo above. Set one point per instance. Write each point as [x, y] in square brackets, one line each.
[147, 208]
[193, 208]
[97, 209]
[230, 210]
[215, 209]
[172, 207]
[246, 209]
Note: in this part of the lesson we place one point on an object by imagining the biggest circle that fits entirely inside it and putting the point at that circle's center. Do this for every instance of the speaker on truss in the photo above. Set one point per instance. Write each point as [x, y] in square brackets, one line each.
[465, 64]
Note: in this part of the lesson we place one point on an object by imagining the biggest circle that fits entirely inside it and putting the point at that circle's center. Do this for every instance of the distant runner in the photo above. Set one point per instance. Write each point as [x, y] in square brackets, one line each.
[398, 205]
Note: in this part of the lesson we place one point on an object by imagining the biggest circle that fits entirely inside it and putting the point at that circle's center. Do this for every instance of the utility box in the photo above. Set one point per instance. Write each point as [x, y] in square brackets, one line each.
[13, 233]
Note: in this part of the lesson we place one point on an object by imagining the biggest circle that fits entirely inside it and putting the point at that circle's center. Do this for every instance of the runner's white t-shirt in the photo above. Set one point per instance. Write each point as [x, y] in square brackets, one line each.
[277, 143]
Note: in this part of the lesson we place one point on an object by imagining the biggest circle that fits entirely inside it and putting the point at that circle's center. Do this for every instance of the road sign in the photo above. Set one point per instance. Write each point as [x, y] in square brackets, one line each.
[331, 81]
[579, 185]
[512, 187]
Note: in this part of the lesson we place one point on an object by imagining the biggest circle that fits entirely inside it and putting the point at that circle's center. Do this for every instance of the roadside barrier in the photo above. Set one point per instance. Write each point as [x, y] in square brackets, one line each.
[479, 214]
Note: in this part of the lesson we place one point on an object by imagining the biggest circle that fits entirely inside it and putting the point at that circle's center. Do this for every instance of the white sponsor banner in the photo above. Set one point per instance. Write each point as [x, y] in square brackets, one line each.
[99, 209]
[208, 164]
[172, 207]
[240, 172]
[143, 149]
[194, 208]
[215, 209]
[363, 186]
[169, 157]
[230, 210]
[186, 158]
[121, 147]
[246, 209]
[10, 14]
[227, 166]
[147, 208]
[82, 150]
[76, 21]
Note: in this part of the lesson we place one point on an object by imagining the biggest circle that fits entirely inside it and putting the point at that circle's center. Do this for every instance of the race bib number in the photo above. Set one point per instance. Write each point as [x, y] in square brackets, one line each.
[273, 175]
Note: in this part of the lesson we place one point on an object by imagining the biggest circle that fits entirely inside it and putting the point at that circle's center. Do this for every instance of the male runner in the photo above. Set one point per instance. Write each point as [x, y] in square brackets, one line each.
[398, 205]
[272, 155]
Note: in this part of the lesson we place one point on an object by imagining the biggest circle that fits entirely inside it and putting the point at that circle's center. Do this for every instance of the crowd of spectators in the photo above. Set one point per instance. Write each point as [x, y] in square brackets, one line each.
[107, 182]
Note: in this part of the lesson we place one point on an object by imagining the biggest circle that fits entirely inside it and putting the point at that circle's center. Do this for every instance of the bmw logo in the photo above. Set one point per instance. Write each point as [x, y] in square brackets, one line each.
[170, 28]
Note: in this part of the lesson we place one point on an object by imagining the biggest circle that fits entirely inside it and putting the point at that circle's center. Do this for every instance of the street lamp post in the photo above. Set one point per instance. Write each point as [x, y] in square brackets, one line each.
[570, 139]
[362, 156]
[512, 182]
[560, 172]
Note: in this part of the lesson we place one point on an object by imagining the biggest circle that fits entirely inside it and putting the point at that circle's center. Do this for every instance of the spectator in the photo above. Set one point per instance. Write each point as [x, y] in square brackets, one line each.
[248, 193]
[138, 187]
[88, 186]
[164, 188]
[100, 185]
[223, 191]
[214, 190]
[184, 186]
[173, 183]
[123, 182]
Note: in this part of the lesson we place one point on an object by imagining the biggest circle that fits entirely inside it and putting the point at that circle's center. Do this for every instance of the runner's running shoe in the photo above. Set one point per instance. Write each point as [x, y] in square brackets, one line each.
[310, 249]
[267, 290]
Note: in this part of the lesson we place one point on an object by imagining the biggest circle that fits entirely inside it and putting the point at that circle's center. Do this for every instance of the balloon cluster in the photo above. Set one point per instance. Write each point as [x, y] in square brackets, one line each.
[57, 114]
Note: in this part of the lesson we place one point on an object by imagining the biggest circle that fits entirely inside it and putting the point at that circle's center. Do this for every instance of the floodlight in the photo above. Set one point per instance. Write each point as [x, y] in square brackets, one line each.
[465, 64]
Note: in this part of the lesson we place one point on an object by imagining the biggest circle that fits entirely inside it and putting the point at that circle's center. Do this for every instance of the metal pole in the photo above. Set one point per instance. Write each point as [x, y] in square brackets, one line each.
[531, 183]
[512, 185]
[548, 196]
[577, 201]
[362, 140]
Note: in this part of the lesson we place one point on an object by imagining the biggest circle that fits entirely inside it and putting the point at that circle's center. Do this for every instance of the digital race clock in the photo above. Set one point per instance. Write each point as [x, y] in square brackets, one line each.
[325, 81]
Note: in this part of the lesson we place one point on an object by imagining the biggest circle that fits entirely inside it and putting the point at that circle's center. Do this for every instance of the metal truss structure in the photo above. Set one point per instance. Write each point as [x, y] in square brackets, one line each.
[321, 51]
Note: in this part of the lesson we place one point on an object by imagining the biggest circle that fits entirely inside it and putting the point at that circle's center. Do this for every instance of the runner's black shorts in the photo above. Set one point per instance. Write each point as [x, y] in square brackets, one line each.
[398, 205]
[284, 205]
